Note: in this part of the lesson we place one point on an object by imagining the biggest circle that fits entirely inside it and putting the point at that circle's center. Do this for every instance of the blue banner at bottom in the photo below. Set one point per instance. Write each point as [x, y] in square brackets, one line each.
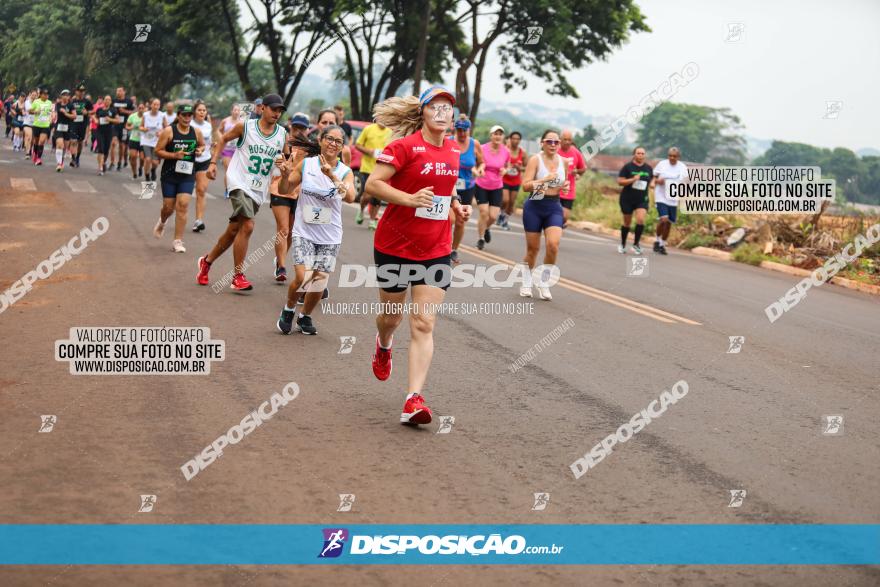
[644, 544]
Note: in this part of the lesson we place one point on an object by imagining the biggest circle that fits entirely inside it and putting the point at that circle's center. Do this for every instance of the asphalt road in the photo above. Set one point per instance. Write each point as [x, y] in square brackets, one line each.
[751, 420]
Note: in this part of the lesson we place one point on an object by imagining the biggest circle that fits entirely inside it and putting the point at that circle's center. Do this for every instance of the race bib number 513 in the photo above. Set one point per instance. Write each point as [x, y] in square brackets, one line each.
[439, 211]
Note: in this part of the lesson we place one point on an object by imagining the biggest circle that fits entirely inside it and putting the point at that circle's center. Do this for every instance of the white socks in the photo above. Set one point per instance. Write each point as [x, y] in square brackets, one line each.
[59, 156]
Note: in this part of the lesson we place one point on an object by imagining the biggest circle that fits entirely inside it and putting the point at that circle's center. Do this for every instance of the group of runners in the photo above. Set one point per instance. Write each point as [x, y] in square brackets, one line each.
[110, 126]
[425, 168]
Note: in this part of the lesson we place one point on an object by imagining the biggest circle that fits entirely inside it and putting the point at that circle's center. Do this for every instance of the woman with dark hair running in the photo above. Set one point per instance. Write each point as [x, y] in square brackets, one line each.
[512, 180]
[545, 176]
[324, 182]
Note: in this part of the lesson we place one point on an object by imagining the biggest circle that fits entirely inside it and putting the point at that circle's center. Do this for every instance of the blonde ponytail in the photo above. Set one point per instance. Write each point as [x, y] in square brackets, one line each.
[401, 115]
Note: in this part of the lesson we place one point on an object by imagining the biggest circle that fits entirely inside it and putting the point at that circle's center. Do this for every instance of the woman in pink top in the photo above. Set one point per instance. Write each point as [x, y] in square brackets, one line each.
[489, 194]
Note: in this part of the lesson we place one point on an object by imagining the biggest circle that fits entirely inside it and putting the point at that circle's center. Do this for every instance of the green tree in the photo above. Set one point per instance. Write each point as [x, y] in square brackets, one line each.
[292, 33]
[869, 181]
[704, 134]
[387, 43]
[785, 154]
[574, 34]
[61, 44]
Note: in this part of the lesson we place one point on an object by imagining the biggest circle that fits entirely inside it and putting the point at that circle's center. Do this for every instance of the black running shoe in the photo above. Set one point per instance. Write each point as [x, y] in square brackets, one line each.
[481, 244]
[662, 251]
[488, 236]
[285, 321]
[326, 294]
[656, 246]
[304, 325]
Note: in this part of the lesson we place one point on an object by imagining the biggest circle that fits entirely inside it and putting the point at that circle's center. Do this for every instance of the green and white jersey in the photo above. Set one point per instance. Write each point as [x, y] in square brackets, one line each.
[253, 163]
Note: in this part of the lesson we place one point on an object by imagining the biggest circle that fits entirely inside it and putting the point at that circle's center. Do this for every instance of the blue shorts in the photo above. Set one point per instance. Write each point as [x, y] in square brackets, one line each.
[541, 214]
[170, 188]
[667, 210]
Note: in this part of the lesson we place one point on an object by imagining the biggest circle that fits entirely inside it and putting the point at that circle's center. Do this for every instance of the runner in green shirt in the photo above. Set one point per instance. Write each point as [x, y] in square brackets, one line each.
[42, 109]
[135, 153]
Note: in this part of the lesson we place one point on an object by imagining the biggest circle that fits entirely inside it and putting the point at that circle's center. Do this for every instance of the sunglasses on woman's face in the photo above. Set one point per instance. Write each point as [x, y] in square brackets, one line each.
[551, 142]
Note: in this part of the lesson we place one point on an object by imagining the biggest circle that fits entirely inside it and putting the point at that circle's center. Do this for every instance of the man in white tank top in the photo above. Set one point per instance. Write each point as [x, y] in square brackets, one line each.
[259, 148]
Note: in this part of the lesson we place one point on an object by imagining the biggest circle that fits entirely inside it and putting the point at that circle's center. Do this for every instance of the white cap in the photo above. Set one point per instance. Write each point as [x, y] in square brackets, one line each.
[496, 128]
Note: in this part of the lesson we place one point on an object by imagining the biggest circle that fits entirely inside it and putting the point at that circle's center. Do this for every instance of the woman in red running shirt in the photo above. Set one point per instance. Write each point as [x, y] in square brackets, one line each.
[415, 175]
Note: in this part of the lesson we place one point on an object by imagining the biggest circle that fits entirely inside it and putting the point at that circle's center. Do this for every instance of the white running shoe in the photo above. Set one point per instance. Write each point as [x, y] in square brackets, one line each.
[526, 292]
[159, 229]
[544, 293]
[178, 246]
[621, 249]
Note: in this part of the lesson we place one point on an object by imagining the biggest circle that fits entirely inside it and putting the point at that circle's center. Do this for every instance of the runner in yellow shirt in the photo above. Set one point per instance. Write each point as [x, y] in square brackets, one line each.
[370, 142]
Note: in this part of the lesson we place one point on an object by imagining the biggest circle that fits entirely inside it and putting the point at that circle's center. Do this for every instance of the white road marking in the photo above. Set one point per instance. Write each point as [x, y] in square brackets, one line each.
[80, 186]
[23, 184]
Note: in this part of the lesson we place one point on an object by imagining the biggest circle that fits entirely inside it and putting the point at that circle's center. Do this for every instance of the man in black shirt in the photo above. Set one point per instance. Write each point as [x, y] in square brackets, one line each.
[64, 116]
[124, 106]
[82, 107]
[635, 177]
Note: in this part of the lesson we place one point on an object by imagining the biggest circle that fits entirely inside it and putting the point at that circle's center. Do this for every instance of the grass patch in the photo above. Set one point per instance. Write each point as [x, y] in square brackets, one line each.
[748, 253]
[695, 239]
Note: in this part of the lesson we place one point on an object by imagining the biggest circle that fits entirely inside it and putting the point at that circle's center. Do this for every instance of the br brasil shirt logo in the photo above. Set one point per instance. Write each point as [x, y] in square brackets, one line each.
[441, 169]
[334, 541]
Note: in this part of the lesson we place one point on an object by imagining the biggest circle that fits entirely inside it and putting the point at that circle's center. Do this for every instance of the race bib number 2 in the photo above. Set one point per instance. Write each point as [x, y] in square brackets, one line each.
[317, 215]
[185, 167]
[439, 211]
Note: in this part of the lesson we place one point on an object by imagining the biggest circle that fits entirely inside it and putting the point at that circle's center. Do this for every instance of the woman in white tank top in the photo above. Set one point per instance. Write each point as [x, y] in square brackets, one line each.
[324, 183]
[545, 176]
[201, 122]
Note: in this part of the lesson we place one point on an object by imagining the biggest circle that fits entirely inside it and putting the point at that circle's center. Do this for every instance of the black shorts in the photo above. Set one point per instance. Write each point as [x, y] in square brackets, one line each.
[566, 203]
[201, 166]
[117, 130]
[438, 272]
[40, 130]
[512, 188]
[629, 202]
[467, 195]
[78, 131]
[491, 197]
[134, 145]
[280, 201]
[64, 136]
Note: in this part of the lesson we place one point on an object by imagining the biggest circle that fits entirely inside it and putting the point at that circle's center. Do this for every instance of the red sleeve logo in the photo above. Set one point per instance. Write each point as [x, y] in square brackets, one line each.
[385, 158]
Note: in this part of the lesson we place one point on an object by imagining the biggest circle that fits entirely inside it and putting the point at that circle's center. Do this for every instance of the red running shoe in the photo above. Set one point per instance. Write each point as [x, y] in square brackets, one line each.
[204, 267]
[240, 283]
[415, 411]
[381, 362]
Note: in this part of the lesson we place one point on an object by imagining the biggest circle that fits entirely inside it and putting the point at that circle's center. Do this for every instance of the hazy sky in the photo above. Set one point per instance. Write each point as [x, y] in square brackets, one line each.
[793, 57]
